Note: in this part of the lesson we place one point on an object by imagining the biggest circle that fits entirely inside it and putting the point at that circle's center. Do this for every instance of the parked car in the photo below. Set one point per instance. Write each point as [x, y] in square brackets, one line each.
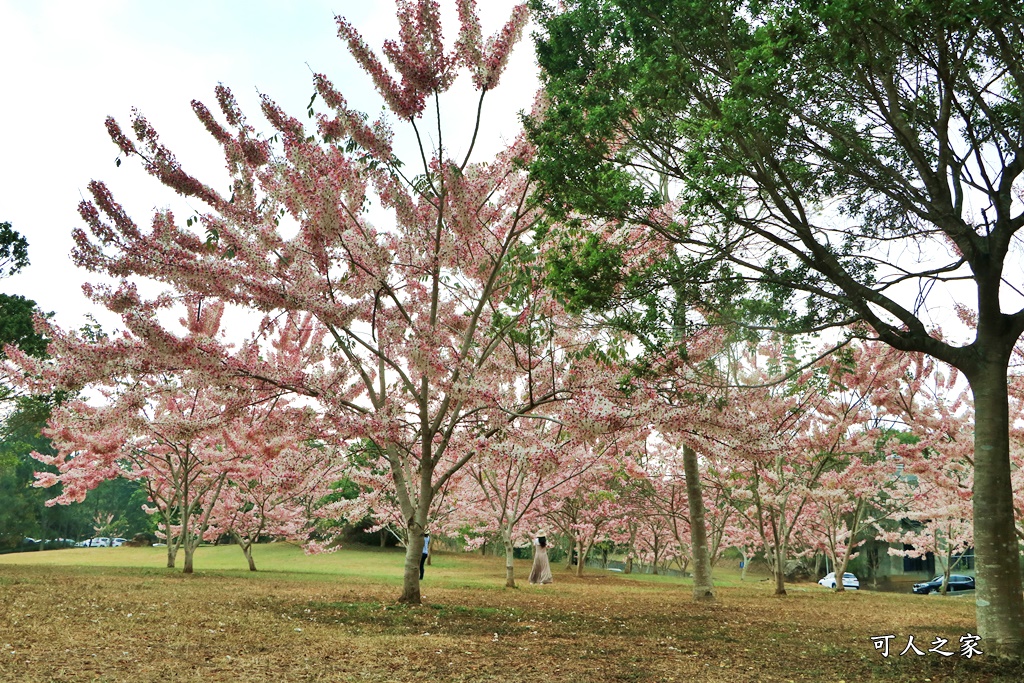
[957, 582]
[98, 542]
[117, 542]
[849, 581]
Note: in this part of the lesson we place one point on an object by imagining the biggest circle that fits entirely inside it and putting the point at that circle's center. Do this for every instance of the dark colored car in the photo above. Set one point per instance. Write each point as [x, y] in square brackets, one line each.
[957, 582]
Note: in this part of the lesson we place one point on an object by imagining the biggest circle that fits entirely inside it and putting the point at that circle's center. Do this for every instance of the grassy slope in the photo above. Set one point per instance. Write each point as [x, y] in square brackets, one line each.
[118, 615]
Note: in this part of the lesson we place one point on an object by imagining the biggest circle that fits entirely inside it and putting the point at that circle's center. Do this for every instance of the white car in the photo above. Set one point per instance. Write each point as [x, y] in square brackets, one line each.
[118, 542]
[849, 581]
[98, 542]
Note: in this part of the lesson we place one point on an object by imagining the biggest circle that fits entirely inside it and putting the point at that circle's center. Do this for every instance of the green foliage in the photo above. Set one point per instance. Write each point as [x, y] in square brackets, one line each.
[24, 512]
[584, 273]
[797, 137]
[13, 250]
[17, 327]
[16, 312]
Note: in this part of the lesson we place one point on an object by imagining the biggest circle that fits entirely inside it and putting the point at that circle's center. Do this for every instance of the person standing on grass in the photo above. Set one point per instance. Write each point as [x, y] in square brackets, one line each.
[426, 551]
[541, 572]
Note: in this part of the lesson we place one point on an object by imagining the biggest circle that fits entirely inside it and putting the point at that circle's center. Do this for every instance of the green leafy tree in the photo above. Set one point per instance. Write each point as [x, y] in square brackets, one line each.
[837, 163]
[16, 312]
[13, 250]
[23, 511]
[17, 327]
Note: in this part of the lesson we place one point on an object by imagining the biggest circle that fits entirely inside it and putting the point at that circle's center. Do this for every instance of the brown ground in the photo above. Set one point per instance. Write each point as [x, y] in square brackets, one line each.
[67, 623]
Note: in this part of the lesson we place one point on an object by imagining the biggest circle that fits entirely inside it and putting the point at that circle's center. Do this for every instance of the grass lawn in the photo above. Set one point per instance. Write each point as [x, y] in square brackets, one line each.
[116, 614]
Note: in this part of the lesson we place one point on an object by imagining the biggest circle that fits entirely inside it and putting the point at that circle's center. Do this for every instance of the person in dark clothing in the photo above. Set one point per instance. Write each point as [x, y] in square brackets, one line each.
[426, 551]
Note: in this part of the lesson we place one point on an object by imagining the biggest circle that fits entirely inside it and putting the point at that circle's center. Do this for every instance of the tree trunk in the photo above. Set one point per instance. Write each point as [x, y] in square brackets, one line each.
[780, 570]
[510, 579]
[579, 558]
[944, 588]
[854, 528]
[873, 564]
[246, 547]
[383, 538]
[745, 562]
[172, 544]
[413, 554]
[189, 552]
[1000, 604]
[703, 585]
[631, 551]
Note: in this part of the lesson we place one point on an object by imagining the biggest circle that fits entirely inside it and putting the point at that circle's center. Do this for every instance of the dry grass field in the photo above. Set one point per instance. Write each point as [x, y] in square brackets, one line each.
[115, 614]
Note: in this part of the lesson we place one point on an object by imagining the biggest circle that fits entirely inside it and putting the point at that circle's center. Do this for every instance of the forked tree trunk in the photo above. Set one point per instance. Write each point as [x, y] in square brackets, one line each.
[841, 567]
[246, 546]
[247, 549]
[703, 585]
[1000, 604]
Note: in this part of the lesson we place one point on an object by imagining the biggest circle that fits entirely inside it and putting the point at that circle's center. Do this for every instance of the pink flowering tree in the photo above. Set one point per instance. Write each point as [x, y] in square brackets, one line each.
[939, 512]
[283, 473]
[659, 518]
[373, 500]
[518, 477]
[162, 432]
[936, 466]
[588, 510]
[862, 486]
[658, 525]
[150, 420]
[411, 316]
[787, 436]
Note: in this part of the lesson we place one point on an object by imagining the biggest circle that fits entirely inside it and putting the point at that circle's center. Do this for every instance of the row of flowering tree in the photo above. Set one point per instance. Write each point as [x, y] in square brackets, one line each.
[404, 336]
[214, 459]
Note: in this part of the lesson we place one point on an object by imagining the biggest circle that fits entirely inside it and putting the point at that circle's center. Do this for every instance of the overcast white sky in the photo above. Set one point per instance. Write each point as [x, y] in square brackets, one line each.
[68, 64]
